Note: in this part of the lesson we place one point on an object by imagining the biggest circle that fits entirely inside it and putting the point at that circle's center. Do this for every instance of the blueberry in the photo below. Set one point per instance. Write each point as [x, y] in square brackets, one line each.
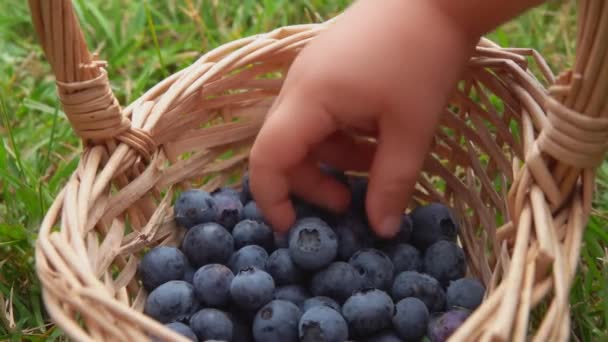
[353, 234]
[440, 328]
[171, 301]
[384, 336]
[183, 330]
[465, 293]
[212, 285]
[160, 265]
[245, 194]
[229, 208]
[411, 319]
[368, 311]
[189, 272]
[403, 236]
[251, 288]
[313, 244]
[249, 232]
[194, 207]
[248, 256]
[208, 243]
[444, 260]
[252, 212]
[421, 286]
[338, 281]
[320, 300]
[432, 223]
[375, 266]
[292, 293]
[358, 190]
[404, 257]
[277, 321]
[322, 324]
[211, 324]
[284, 271]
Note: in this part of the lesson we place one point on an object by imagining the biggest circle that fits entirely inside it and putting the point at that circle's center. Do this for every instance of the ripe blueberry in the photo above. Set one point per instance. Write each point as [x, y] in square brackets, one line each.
[444, 260]
[465, 293]
[338, 281]
[194, 207]
[212, 285]
[405, 257]
[320, 300]
[249, 232]
[252, 212]
[248, 256]
[368, 311]
[375, 266]
[411, 319]
[280, 266]
[432, 223]
[440, 328]
[277, 321]
[208, 243]
[292, 293]
[171, 301]
[421, 286]
[312, 244]
[322, 324]
[353, 234]
[229, 208]
[160, 265]
[211, 324]
[252, 288]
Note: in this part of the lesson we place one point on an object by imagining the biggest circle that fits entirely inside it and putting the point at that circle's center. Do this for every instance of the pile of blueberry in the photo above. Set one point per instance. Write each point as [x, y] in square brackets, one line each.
[330, 278]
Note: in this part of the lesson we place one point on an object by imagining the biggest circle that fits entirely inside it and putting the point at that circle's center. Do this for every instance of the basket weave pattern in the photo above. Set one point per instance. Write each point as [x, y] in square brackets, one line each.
[529, 159]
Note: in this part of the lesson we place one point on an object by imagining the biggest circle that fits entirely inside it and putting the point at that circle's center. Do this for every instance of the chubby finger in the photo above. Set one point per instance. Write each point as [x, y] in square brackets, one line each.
[289, 134]
[392, 177]
[312, 185]
[346, 152]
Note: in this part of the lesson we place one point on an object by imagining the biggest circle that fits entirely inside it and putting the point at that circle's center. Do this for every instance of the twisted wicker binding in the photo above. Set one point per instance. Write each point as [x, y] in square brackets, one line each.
[542, 143]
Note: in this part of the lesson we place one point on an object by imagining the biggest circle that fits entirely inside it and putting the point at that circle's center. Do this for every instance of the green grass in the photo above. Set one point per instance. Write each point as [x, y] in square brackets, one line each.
[143, 41]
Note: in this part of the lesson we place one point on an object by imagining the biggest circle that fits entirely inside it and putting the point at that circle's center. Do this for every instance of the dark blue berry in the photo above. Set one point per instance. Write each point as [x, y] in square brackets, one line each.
[432, 223]
[322, 324]
[320, 300]
[229, 208]
[183, 330]
[249, 232]
[211, 324]
[194, 207]
[375, 266]
[338, 281]
[208, 243]
[252, 288]
[411, 319]
[252, 212]
[313, 244]
[353, 234]
[444, 260]
[160, 265]
[441, 327]
[284, 271]
[404, 257]
[368, 311]
[171, 301]
[277, 321]
[292, 293]
[248, 256]
[212, 285]
[245, 194]
[465, 293]
[421, 286]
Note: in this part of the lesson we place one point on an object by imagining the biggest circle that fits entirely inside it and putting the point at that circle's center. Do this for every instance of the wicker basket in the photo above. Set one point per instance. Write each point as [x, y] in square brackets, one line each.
[529, 159]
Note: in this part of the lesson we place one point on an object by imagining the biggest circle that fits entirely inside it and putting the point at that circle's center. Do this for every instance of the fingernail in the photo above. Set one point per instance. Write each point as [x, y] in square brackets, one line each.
[390, 226]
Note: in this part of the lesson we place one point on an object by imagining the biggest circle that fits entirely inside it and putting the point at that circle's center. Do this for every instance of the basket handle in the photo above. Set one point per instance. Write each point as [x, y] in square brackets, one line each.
[82, 81]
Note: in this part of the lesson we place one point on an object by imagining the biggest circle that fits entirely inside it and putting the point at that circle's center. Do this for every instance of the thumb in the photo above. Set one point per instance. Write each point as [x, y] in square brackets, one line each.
[393, 175]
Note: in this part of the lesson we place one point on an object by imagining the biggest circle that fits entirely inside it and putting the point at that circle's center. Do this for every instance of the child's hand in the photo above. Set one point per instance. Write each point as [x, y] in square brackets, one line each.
[385, 68]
